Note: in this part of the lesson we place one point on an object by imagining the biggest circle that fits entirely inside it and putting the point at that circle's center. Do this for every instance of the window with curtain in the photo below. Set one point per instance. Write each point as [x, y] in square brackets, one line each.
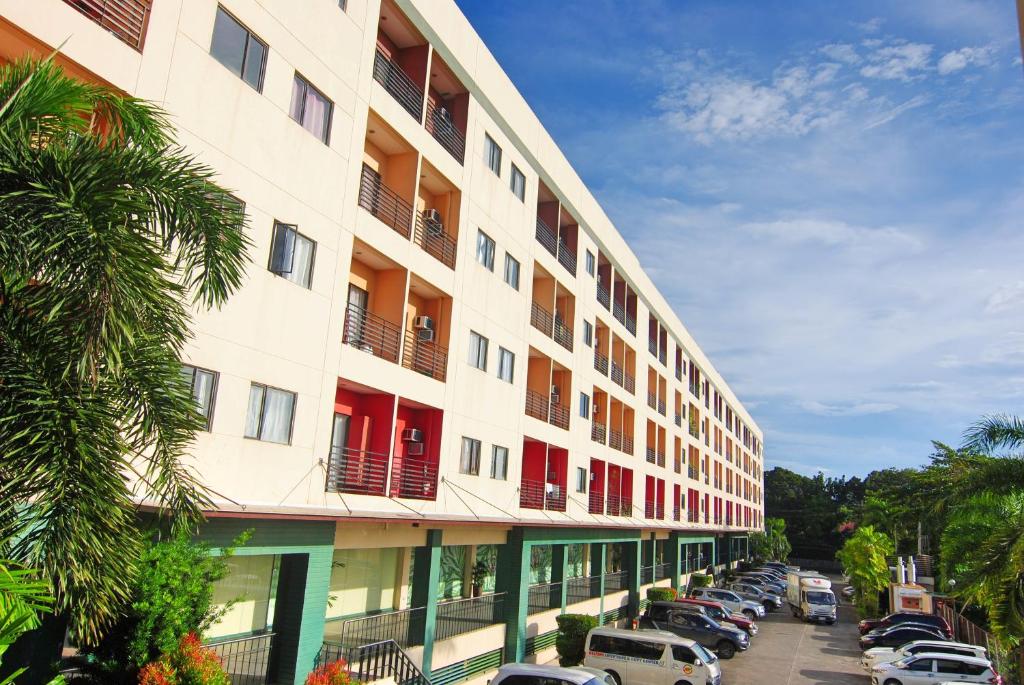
[469, 462]
[492, 154]
[506, 364]
[512, 271]
[477, 350]
[292, 255]
[590, 262]
[311, 108]
[485, 249]
[270, 414]
[204, 390]
[517, 183]
[499, 462]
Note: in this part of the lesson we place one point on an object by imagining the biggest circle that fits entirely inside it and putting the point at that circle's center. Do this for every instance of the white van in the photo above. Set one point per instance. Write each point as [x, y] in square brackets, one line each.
[650, 657]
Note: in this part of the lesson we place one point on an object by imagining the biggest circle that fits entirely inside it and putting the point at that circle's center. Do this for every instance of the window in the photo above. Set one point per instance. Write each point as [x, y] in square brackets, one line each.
[469, 463]
[921, 665]
[239, 50]
[291, 254]
[506, 364]
[485, 249]
[683, 654]
[311, 109]
[581, 479]
[343, 4]
[499, 462]
[591, 264]
[204, 389]
[511, 271]
[517, 183]
[492, 155]
[588, 333]
[270, 414]
[477, 351]
[584, 405]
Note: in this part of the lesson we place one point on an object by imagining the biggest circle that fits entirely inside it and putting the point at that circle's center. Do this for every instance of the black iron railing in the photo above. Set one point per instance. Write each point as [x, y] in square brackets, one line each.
[357, 471]
[613, 582]
[652, 400]
[383, 202]
[404, 628]
[544, 596]
[126, 19]
[567, 257]
[615, 439]
[559, 416]
[541, 319]
[465, 615]
[440, 125]
[647, 572]
[662, 409]
[630, 323]
[601, 363]
[679, 420]
[536, 405]
[371, 333]
[562, 333]
[629, 382]
[373, 662]
[619, 312]
[662, 571]
[534, 494]
[582, 589]
[414, 477]
[246, 660]
[424, 356]
[691, 471]
[627, 444]
[617, 374]
[547, 237]
[694, 430]
[430, 235]
[603, 296]
[652, 346]
[595, 501]
[390, 74]
[650, 455]
[598, 433]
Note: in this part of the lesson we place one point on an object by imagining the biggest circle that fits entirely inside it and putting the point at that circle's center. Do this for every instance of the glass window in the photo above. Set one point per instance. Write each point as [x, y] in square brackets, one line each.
[469, 462]
[311, 108]
[921, 665]
[363, 581]
[506, 364]
[238, 49]
[517, 183]
[499, 462]
[246, 596]
[204, 390]
[270, 414]
[581, 479]
[588, 333]
[485, 249]
[683, 654]
[511, 271]
[477, 350]
[591, 263]
[584, 405]
[492, 154]
[292, 255]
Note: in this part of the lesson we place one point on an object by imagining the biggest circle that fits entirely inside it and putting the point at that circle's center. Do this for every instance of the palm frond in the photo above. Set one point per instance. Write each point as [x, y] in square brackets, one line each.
[997, 432]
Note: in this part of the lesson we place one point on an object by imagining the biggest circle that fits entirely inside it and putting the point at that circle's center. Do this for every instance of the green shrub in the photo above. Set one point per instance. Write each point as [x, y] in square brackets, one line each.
[661, 594]
[572, 637]
[700, 580]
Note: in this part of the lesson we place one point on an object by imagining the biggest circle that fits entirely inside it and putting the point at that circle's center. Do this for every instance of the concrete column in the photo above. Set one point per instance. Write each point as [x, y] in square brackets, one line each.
[513, 578]
[559, 574]
[426, 576]
[631, 565]
[598, 559]
[302, 589]
[673, 559]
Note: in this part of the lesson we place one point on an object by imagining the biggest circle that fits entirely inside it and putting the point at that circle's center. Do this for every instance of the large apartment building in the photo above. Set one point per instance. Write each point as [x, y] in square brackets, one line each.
[447, 400]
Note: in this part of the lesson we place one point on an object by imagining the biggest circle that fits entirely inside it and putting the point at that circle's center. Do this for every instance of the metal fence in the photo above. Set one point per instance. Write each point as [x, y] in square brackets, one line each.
[965, 630]
[465, 615]
[246, 660]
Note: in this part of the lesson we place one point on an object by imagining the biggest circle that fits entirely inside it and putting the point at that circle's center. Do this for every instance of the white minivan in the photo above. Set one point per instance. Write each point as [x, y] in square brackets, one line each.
[650, 657]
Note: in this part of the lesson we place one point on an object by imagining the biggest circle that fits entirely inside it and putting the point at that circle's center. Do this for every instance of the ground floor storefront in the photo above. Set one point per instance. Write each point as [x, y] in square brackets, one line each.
[450, 600]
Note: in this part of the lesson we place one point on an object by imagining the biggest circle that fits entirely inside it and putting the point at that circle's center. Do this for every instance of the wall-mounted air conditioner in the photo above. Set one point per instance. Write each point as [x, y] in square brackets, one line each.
[433, 222]
[412, 435]
[414, 449]
[424, 322]
[425, 335]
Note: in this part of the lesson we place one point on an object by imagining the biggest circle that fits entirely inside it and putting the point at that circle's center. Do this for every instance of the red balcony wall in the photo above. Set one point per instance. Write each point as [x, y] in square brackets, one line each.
[626, 490]
[558, 466]
[429, 421]
[370, 422]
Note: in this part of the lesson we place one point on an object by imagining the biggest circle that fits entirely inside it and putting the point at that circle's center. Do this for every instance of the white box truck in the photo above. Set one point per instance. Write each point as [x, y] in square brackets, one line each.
[810, 596]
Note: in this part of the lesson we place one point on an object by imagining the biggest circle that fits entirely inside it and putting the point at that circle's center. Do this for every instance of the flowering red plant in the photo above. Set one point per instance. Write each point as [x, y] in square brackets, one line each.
[190, 664]
[158, 673]
[333, 673]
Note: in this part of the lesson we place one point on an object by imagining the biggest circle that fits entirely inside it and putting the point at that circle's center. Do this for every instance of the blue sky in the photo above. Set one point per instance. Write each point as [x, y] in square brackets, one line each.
[830, 194]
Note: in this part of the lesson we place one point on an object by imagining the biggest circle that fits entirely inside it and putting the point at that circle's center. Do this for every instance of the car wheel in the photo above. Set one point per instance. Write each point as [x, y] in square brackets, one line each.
[682, 682]
[726, 649]
[750, 614]
[892, 681]
[615, 677]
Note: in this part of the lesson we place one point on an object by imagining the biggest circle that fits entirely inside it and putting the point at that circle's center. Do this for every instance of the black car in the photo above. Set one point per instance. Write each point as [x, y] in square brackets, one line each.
[724, 639]
[897, 636]
[899, 617]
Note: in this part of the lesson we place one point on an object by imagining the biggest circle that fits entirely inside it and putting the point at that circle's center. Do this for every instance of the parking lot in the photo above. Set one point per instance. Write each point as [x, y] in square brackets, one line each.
[789, 652]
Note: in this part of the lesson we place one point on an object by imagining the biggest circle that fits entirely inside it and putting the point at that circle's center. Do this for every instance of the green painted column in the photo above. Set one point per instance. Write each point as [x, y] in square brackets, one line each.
[513, 578]
[559, 574]
[672, 558]
[425, 580]
[598, 559]
[631, 564]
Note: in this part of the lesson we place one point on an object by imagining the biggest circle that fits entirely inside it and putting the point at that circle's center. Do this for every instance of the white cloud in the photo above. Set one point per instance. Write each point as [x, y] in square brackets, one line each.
[1005, 298]
[957, 60]
[835, 233]
[891, 114]
[856, 409]
[841, 52]
[902, 62]
[872, 25]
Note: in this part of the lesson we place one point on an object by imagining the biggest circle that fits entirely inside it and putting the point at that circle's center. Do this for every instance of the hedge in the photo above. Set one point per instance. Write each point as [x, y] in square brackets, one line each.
[661, 594]
[572, 637]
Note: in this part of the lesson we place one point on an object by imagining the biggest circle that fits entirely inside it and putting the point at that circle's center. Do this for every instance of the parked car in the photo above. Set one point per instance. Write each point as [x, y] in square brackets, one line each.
[881, 655]
[731, 601]
[650, 656]
[539, 674]
[897, 636]
[848, 592]
[725, 639]
[928, 669]
[906, 617]
[769, 583]
[781, 567]
[769, 600]
[718, 612]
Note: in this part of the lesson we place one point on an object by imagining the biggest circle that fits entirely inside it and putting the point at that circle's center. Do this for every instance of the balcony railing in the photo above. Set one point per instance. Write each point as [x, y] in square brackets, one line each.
[465, 615]
[652, 346]
[627, 444]
[691, 471]
[662, 356]
[383, 202]
[651, 455]
[547, 237]
[652, 400]
[403, 627]
[617, 374]
[595, 501]
[659, 511]
[126, 19]
[619, 312]
[246, 660]
[562, 333]
[661, 457]
[676, 511]
[662, 571]
[423, 356]
[598, 433]
[695, 389]
[440, 125]
[430, 235]
[603, 296]
[692, 516]
[541, 319]
[646, 572]
[613, 582]
[559, 416]
[415, 479]
[600, 363]
[695, 430]
[371, 333]
[536, 405]
[582, 589]
[629, 382]
[544, 596]
[679, 420]
[615, 439]
[389, 74]
[357, 471]
[662, 409]
[630, 323]
[649, 510]
[375, 662]
[567, 257]
[535, 494]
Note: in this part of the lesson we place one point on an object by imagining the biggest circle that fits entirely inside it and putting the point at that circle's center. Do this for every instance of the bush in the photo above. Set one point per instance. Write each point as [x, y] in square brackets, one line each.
[661, 594]
[700, 580]
[572, 637]
[333, 673]
[189, 664]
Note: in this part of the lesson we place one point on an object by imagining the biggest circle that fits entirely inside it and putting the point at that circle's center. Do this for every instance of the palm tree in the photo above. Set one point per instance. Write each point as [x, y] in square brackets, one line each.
[110, 234]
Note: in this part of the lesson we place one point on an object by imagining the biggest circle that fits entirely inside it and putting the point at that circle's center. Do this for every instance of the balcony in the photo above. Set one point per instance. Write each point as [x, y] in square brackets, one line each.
[617, 374]
[651, 458]
[559, 416]
[459, 616]
[629, 382]
[551, 326]
[414, 480]
[694, 430]
[432, 238]
[562, 334]
[440, 125]
[425, 357]
[595, 502]
[692, 516]
[400, 85]
[615, 439]
[662, 409]
[384, 203]
[537, 405]
[614, 582]
[126, 19]
[567, 257]
[603, 296]
[581, 589]
[535, 494]
[652, 400]
[627, 444]
[679, 420]
[598, 433]
[357, 471]
[546, 237]
[371, 333]
[364, 630]
[600, 363]
[542, 597]
[691, 471]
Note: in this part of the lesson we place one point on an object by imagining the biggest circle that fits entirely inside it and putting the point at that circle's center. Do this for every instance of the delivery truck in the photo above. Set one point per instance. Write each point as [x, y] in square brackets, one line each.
[810, 596]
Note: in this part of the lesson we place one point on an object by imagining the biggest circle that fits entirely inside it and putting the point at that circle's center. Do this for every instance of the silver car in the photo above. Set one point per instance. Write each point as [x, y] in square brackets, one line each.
[769, 600]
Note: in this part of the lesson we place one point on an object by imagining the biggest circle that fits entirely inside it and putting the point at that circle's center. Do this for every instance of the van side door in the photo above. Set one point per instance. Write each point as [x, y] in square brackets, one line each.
[683, 667]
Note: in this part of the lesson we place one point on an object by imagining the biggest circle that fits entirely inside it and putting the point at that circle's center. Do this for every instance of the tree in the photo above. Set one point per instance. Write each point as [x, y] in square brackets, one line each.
[23, 596]
[109, 234]
[772, 544]
[863, 559]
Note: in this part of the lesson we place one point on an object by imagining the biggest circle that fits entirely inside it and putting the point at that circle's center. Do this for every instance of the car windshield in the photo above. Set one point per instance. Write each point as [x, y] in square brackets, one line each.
[596, 681]
[703, 654]
[820, 598]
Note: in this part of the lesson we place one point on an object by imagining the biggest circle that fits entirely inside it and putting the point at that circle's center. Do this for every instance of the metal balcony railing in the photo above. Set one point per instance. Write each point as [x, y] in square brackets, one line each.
[357, 471]
[652, 346]
[562, 333]
[582, 589]
[695, 389]
[440, 125]
[614, 582]
[567, 257]
[126, 19]
[537, 405]
[627, 444]
[389, 74]
[600, 363]
[629, 382]
[694, 430]
[547, 237]
[661, 457]
[679, 373]
[649, 510]
[662, 409]
[384, 203]
[595, 502]
[617, 374]
[559, 416]
[414, 478]
[615, 439]
[662, 356]
[650, 455]
[375, 662]
[619, 312]
[691, 516]
[662, 571]
[603, 296]
[543, 596]
[371, 333]
[679, 420]
[404, 627]
[652, 400]
[659, 511]
[691, 471]
[535, 494]
[676, 511]
[245, 659]
[459, 616]
[630, 323]
[431, 236]
[424, 357]
[541, 318]
[598, 433]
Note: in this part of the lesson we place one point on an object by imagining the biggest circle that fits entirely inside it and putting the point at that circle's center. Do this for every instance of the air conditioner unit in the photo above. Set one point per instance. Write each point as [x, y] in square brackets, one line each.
[425, 335]
[433, 222]
[414, 449]
[424, 322]
[412, 435]
[551, 489]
